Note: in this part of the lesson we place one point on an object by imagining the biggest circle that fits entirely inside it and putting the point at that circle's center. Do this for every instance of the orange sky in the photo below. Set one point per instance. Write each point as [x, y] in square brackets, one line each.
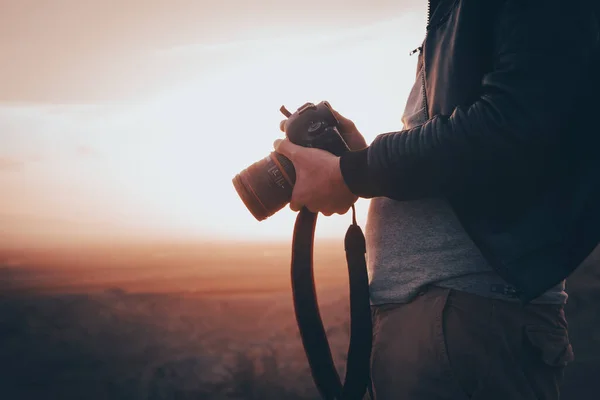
[116, 116]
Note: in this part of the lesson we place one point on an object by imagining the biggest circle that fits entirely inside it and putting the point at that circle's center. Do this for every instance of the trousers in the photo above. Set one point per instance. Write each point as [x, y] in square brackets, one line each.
[451, 345]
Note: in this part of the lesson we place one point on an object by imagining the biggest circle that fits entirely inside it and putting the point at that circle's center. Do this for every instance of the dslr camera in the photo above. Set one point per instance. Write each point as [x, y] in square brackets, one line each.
[266, 186]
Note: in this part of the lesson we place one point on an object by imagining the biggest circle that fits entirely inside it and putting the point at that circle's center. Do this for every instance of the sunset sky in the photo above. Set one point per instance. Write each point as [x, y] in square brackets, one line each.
[132, 117]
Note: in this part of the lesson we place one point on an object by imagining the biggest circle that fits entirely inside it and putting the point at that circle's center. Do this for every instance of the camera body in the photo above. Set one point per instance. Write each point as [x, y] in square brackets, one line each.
[266, 186]
[316, 126]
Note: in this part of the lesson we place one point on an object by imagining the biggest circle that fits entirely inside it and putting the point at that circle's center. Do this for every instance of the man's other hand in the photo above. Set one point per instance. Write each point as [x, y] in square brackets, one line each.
[319, 185]
[347, 129]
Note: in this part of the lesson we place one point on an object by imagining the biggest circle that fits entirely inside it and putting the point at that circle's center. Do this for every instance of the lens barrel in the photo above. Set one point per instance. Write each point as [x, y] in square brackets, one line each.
[266, 186]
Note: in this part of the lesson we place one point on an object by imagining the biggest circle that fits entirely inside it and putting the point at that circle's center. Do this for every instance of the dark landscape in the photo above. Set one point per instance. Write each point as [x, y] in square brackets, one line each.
[187, 321]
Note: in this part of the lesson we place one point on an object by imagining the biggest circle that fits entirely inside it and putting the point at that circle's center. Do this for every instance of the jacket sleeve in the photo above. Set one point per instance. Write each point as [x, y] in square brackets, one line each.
[541, 58]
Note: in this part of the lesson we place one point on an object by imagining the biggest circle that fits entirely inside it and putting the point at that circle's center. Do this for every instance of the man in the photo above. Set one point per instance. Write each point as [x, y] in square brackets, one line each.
[481, 206]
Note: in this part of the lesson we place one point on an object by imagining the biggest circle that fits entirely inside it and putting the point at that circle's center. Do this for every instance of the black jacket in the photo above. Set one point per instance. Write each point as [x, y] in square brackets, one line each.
[511, 138]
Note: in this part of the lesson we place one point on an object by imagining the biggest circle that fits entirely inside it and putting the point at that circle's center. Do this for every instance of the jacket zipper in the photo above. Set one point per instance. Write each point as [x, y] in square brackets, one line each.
[426, 111]
[420, 48]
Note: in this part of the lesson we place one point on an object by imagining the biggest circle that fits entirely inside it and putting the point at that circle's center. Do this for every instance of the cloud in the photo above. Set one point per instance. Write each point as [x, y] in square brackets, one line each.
[294, 41]
[116, 61]
[86, 151]
[10, 164]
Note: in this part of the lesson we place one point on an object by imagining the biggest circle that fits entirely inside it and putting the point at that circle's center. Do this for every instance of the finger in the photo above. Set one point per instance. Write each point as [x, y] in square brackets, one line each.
[354, 141]
[287, 148]
[349, 132]
[344, 122]
[295, 205]
[282, 125]
[342, 211]
[326, 213]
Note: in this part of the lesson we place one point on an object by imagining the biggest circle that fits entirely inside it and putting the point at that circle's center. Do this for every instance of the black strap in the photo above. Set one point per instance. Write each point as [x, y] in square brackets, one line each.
[308, 317]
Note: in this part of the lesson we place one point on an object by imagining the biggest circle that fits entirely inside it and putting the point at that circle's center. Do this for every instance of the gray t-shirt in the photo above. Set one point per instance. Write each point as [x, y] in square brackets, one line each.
[413, 244]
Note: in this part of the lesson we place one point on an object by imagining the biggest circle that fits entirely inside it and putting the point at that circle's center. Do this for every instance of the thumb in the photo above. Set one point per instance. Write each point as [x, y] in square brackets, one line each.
[287, 148]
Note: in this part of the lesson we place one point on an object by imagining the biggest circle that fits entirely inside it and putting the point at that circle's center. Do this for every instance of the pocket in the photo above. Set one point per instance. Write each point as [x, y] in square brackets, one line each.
[551, 344]
[467, 330]
[377, 312]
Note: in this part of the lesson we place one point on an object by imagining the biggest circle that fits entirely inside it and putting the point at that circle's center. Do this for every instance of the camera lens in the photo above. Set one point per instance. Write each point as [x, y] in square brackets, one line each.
[266, 186]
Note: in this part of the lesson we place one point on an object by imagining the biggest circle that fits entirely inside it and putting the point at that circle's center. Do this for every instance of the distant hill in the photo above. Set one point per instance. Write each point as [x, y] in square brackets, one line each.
[29, 230]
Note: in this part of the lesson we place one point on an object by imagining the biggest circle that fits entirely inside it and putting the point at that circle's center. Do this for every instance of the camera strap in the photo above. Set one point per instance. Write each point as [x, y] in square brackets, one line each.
[308, 317]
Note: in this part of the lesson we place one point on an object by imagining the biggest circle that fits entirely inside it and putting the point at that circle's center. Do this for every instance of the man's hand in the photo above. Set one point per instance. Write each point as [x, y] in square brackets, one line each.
[347, 129]
[319, 185]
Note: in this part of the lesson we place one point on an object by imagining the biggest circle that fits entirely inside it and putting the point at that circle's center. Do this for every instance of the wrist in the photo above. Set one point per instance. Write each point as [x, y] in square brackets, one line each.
[354, 166]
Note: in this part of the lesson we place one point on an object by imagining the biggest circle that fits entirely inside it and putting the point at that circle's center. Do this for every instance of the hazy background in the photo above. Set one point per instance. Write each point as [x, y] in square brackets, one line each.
[132, 118]
[129, 268]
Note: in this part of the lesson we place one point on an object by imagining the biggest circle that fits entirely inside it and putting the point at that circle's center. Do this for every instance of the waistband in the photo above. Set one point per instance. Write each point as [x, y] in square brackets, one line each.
[492, 286]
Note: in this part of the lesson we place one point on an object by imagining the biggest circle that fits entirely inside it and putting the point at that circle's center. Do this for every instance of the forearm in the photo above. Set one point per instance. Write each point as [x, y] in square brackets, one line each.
[446, 153]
